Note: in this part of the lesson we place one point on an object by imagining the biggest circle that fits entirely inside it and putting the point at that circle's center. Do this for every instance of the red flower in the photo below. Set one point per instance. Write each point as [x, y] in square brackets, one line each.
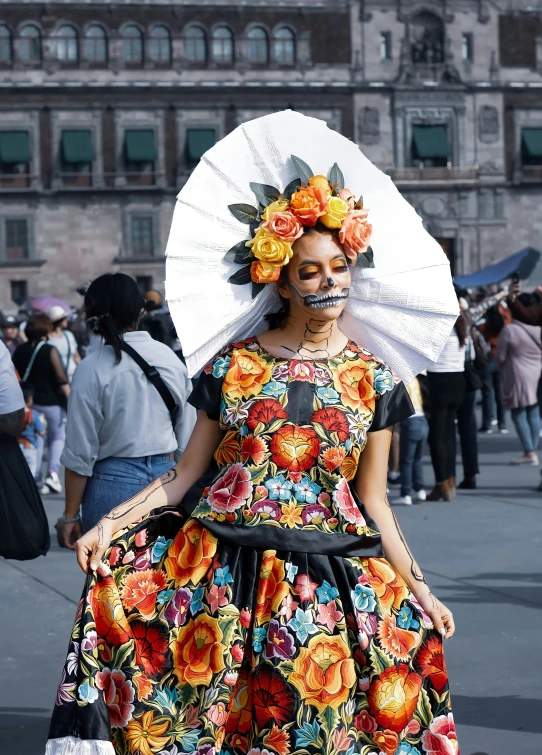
[294, 448]
[273, 701]
[232, 490]
[441, 738]
[151, 641]
[265, 411]
[346, 504]
[237, 652]
[333, 421]
[118, 696]
[431, 663]
[245, 616]
[365, 722]
[253, 448]
[301, 371]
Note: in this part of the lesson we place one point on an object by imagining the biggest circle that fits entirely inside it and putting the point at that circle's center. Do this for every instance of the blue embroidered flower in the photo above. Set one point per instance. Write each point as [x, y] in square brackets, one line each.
[258, 636]
[243, 430]
[164, 596]
[363, 598]
[220, 367]
[291, 571]
[279, 488]
[306, 491]
[407, 749]
[87, 694]
[274, 389]
[348, 445]
[383, 380]
[223, 576]
[327, 395]
[159, 548]
[196, 604]
[326, 592]
[405, 619]
[303, 624]
[308, 735]
[190, 741]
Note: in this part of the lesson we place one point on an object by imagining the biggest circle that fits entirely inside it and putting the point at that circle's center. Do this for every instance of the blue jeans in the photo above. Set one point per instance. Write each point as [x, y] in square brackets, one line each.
[115, 480]
[414, 432]
[527, 422]
[54, 439]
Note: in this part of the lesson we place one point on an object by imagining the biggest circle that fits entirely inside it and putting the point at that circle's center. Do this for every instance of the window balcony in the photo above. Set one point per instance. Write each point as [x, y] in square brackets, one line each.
[18, 181]
[422, 175]
[528, 174]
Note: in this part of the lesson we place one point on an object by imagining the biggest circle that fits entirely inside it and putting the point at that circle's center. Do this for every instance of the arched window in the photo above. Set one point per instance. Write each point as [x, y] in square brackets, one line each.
[222, 45]
[30, 44]
[67, 47]
[427, 34]
[95, 45]
[284, 46]
[5, 44]
[258, 45]
[195, 45]
[160, 45]
[132, 45]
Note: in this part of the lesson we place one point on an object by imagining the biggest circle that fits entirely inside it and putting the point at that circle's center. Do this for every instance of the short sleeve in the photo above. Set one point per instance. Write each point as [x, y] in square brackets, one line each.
[207, 393]
[11, 396]
[393, 403]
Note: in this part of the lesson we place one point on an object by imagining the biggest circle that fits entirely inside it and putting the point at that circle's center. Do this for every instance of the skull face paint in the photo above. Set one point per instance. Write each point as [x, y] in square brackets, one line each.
[322, 301]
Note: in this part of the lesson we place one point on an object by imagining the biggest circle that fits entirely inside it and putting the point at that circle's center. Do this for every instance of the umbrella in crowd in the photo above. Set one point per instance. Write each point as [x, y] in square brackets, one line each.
[44, 304]
[521, 263]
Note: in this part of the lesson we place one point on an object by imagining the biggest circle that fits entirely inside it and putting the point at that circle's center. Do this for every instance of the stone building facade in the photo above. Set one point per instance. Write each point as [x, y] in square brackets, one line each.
[105, 108]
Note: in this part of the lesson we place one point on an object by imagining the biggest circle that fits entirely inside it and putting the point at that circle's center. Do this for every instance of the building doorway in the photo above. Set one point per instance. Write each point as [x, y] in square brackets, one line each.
[448, 246]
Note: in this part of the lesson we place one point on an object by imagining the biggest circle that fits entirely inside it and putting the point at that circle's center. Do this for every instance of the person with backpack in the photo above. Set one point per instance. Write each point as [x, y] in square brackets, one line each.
[64, 340]
[123, 431]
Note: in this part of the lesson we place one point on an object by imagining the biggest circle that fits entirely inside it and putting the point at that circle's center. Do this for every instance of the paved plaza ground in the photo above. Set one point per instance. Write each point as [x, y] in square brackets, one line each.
[481, 554]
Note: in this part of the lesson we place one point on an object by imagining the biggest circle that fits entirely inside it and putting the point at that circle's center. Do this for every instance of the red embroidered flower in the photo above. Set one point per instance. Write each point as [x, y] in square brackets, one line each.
[151, 641]
[253, 448]
[302, 371]
[333, 421]
[118, 696]
[346, 504]
[265, 411]
[441, 739]
[294, 448]
[272, 700]
[431, 663]
[231, 491]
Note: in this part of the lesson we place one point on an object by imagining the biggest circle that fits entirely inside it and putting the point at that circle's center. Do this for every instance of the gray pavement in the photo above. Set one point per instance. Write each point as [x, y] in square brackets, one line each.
[481, 554]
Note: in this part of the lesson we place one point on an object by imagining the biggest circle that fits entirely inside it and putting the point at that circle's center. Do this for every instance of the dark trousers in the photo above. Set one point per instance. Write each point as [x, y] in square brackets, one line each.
[446, 392]
[468, 435]
[414, 432]
[491, 396]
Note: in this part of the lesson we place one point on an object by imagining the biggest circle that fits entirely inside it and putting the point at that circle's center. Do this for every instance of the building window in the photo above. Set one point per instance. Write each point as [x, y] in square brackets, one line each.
[67, 47]
[531, 146]
[385, 45]
[142, 229]
[144, 282]
[19, 292]
[15, 158]
[132, 46]
[467, 47]
[195, 45]
[284, 46]
[140, 155]
[77, 154]
[30, 44]
[222, 45]
[6, 54]
[160, 45]
[258, 46]
[431, 147]
[95, 45]
[427, 32]
[198, 141]
[16, 236]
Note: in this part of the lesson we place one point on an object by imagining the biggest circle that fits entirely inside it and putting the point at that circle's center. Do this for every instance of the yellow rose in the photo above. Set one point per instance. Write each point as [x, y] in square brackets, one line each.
[336, 211]
[268, 248]
[279, 206]
[320, 182]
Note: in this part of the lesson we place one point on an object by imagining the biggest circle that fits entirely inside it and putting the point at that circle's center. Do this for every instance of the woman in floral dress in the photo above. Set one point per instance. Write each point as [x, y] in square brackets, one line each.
[242, 603]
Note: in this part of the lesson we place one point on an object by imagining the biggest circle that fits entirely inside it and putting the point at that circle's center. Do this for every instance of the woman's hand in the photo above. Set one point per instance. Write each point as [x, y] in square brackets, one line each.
[440, 615]
[67, 533]
[91, 547]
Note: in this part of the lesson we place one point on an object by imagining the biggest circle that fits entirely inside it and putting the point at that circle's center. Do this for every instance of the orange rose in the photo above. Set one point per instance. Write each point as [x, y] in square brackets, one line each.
[324, 672]
[141, 589]
[320, 182]
[272, 588]
[109, 616]
[355, 233]
[284, 225]
[387, 740]
[393, 697]
[308, 204]
[247, 374]
[388, 586]
[294, 448]
[264, 272]
[190, 554]
[354, 381]
[198, 652]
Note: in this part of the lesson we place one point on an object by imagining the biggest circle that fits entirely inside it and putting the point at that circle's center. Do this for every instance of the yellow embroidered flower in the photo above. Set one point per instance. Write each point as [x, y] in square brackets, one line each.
[336, 211]
[291, 515]
[269, 248]
[145, 736]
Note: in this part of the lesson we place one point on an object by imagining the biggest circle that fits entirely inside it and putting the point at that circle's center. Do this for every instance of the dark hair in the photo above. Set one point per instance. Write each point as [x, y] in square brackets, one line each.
[528, 300]
[494, 319]
[37, 327]
[27, 389]
[460, 328]
[115, 300]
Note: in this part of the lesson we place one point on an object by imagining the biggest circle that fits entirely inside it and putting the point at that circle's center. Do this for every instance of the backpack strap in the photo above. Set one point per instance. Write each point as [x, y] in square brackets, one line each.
[32, 359]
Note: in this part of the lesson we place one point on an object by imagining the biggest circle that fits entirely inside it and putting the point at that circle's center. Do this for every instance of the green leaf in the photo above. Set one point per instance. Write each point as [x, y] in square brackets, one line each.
[379, 660]
[329, 718]
[246, 213]
[303, 169]
[241, 277]
[122, 654]
[424, 708]
[330, 480]
[336, 178]
[258, 474]
[291, 188]
[366, 259]
[265, 194]
[186, 694]
[256, 288]
[254, 225]
[202, 508]
[238, 253]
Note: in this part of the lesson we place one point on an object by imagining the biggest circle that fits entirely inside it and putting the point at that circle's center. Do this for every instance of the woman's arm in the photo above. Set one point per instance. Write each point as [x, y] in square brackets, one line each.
[58, 372]
[501, 354]
[371, 487]
[167, 490]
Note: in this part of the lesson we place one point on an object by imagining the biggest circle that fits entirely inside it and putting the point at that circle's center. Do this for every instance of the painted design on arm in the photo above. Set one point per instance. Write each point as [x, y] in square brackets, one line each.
[414, 568]
[134, 503]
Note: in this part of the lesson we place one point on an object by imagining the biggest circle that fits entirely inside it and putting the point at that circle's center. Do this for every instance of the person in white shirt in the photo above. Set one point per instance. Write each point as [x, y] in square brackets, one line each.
[11, 396]
[64, 340]
[120, 435]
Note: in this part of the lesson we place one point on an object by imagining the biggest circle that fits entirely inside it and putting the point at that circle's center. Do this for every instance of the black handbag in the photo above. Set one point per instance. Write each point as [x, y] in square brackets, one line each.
[24, 529]
[473, 381]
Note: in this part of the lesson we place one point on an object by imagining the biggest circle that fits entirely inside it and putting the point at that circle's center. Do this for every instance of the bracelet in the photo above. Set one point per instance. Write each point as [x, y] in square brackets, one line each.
[70, 520]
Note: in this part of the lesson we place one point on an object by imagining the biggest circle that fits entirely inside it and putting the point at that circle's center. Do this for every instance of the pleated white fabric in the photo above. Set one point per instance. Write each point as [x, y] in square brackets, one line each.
[74, 746]
[403, 310]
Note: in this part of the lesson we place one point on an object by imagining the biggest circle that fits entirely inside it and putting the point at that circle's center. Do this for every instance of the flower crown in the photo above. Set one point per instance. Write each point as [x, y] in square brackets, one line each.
[281, 218]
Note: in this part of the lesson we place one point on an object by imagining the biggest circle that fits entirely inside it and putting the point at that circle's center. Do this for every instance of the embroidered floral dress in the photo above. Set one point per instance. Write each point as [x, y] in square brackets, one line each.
[264, 620]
